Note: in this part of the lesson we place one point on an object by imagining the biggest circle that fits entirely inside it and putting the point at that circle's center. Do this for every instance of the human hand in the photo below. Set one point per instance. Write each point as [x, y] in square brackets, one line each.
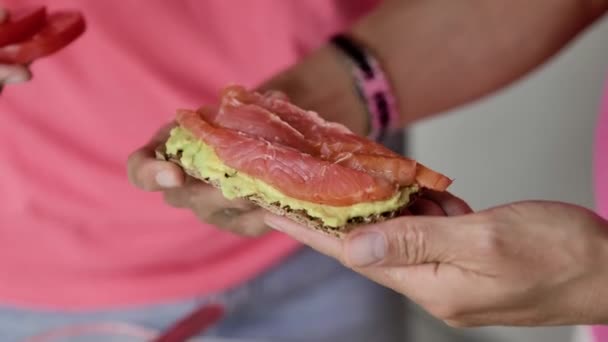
[522, 264]
[11, 73]
[300, 83]
[182, 191]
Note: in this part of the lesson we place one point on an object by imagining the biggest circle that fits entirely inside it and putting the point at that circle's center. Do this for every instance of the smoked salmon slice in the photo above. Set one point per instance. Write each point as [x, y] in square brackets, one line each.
[300, 154]
[398, 170]
[331, 141]
[295, 174]
[262, 123]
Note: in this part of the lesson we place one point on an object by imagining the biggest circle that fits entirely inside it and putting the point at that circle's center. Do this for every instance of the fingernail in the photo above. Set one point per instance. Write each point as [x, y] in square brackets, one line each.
[366, 249]
[166, 179]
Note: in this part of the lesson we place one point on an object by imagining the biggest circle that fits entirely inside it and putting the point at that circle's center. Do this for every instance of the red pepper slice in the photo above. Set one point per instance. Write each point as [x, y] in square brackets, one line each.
[59, 30]
[22, 25]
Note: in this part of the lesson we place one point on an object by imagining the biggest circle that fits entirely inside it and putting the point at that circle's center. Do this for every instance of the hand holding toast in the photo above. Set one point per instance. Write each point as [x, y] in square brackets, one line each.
[523, 264]
[182, 191]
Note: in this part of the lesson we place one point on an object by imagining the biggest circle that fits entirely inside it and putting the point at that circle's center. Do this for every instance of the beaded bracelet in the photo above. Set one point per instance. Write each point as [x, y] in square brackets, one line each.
[372, 86]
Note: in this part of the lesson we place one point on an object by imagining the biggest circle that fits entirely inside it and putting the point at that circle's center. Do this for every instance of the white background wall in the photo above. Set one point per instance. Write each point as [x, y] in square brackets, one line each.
[544, 124]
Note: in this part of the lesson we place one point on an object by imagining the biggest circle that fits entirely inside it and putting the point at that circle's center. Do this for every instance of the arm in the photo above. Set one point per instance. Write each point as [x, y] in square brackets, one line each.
[526, 264]
[441, 54]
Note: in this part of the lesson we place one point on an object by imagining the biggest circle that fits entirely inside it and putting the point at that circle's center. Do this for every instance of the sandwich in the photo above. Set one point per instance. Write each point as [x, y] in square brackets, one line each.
[292, 162]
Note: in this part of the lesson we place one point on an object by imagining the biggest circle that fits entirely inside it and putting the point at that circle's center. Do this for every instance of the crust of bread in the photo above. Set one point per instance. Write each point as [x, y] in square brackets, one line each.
[299, 215]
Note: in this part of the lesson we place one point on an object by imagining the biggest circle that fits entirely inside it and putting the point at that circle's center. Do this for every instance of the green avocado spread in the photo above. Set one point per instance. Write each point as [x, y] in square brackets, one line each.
[196, 155]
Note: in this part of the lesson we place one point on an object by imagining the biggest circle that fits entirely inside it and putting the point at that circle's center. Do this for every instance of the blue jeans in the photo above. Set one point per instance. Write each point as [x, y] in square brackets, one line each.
[309, 297]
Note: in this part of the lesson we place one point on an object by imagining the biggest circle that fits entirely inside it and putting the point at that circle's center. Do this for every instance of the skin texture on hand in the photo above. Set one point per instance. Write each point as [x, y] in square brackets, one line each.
[184, 192]
[522, 264]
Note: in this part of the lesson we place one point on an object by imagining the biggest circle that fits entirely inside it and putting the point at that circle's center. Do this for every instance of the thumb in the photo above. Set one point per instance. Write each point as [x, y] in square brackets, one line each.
[406, 241]
[13, 74]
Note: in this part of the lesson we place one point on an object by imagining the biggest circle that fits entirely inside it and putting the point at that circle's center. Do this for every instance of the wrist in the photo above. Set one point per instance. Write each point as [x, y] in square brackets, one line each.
[372, 84]
[322, 84]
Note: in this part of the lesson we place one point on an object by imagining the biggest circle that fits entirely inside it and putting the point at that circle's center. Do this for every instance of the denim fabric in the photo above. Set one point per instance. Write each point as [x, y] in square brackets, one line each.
[309, 297]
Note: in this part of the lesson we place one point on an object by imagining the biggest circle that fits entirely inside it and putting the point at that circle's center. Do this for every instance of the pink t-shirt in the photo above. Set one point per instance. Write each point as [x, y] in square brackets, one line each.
[601, 181]
[74, 233]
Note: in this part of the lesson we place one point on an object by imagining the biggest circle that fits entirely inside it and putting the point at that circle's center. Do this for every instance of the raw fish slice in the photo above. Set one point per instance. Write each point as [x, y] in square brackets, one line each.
[272, 117]
[295, 174]
[430, 179]
[261, 123]
[398, 170]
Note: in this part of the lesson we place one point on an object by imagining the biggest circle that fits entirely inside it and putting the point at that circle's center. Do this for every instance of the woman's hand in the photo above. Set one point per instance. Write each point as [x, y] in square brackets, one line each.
[11, 73]
[528, 263]
[182, 191]
[336, 101]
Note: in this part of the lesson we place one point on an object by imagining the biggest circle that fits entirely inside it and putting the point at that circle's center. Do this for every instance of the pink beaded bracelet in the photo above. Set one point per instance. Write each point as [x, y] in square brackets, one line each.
[372, 85]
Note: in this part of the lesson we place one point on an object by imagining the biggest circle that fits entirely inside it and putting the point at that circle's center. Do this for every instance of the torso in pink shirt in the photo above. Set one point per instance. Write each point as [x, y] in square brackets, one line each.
[73, 232]
[601, 180]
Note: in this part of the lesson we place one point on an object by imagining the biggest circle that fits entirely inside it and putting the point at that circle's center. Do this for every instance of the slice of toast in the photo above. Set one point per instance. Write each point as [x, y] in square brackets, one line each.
[299, 215]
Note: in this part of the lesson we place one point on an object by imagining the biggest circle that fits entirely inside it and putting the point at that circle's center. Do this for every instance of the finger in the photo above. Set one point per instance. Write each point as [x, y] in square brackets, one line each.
[208, 203]
[250, 224]
[424, 207]
[424, 283]
[14, 74]
[225, 217]
[204, 197]
[419, 282]
[406, 241]
[323, 243]
[150, 174]
[198, 195]
[177, 198]
[153, 175]
[190, 193]
[450, 204]
[410, 280]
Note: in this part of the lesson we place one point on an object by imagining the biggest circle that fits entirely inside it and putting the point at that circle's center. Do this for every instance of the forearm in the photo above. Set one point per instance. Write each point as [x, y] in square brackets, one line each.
[440, 54]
